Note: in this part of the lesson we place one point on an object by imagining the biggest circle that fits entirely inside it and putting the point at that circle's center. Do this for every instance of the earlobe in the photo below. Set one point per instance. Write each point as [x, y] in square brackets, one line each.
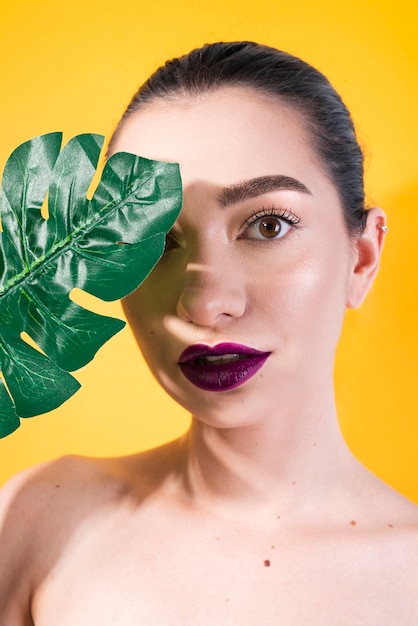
[368, 249]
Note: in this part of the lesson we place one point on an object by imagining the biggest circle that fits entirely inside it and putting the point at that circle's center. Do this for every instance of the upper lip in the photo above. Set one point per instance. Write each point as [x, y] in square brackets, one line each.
[200, 350]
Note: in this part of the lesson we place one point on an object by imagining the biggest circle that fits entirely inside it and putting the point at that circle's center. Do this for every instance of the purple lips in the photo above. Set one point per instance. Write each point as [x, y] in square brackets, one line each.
[222, 367]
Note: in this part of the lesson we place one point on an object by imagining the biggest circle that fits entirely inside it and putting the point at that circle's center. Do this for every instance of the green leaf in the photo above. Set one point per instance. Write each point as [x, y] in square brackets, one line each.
[105, 245]
[9, 420]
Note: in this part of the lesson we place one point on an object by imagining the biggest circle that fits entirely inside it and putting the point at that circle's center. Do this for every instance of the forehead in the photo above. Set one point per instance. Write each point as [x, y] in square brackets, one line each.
[224, 137]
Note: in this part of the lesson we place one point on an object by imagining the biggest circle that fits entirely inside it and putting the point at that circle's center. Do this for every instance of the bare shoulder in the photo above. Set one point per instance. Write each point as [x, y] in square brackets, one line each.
[73, 484]
[59, 494]
[35, 493]
[44, 509]
[41, 509]
[391, 506]
[388, 528]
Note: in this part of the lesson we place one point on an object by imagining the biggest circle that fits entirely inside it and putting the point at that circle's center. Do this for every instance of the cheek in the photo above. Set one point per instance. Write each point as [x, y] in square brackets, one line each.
[319, 287]
[326, 304]
[141, 312]
[305, 302]
[146, 308]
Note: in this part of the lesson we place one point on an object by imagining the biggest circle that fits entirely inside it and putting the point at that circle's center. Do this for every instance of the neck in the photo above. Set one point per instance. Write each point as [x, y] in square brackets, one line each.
[281, 463]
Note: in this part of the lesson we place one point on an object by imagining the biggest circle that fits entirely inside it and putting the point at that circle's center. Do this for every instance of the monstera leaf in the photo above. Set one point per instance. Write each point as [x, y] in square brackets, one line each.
[105, 245]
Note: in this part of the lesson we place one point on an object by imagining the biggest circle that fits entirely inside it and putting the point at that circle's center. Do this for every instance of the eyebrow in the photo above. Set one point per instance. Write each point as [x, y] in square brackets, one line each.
[254, 187]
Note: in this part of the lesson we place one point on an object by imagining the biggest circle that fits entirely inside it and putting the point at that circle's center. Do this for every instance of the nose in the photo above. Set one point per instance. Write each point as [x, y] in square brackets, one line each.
[211, 295]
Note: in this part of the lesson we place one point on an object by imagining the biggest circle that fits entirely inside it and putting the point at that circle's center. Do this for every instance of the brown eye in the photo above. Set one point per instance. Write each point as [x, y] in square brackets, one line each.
[267, 227]
[270, 227]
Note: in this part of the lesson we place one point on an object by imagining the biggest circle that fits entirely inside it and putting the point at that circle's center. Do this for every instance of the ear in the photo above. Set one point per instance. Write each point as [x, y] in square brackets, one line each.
[367, 251]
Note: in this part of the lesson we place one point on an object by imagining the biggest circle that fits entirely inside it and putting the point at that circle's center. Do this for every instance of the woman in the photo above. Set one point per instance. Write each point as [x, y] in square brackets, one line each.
[259, 514]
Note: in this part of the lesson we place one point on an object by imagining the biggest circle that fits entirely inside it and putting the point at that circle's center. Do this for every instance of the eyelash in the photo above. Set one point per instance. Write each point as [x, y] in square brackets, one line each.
[283, 214]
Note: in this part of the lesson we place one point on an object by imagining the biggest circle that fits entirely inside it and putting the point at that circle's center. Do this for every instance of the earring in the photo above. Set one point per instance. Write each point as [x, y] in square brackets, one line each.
[383, 228]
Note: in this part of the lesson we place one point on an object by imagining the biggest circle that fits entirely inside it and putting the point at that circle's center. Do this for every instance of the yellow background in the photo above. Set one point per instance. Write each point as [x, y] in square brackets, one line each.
[72, 66]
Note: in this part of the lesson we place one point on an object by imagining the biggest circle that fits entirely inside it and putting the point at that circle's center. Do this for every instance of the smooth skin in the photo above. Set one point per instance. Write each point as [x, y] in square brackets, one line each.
[259, 514]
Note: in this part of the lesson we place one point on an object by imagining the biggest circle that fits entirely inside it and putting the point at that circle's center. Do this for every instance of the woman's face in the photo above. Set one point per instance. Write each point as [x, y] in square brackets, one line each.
[259, 257]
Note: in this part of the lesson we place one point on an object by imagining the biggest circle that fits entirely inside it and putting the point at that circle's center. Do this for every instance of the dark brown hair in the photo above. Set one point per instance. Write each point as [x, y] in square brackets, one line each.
[283, 76]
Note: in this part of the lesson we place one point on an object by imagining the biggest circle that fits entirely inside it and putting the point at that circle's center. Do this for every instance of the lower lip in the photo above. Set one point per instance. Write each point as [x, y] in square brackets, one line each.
[223, 376]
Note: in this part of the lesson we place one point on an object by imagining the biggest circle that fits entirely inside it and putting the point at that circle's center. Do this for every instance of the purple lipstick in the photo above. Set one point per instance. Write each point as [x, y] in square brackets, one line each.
[222, 367]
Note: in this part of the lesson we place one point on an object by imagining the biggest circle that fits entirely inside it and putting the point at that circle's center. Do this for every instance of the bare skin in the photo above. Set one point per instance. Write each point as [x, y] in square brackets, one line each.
[260, 514]
[133, 541]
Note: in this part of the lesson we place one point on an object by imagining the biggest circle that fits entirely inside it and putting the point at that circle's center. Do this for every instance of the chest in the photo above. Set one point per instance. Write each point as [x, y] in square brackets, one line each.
[195, 577]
